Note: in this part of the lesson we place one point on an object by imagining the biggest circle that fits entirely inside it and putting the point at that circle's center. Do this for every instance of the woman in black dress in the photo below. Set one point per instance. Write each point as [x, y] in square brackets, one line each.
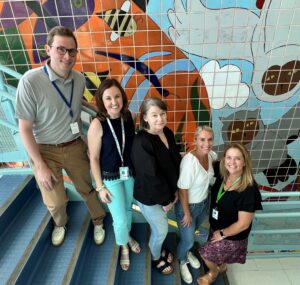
[234, 199]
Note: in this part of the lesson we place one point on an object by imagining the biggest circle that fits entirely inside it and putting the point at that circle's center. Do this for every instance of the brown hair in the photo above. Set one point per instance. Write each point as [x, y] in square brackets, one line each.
[247, 175]
[151, 101]
[106, 84]
[60, 31]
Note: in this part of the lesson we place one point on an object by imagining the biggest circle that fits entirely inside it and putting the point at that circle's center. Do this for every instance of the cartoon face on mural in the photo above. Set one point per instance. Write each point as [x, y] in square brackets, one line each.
[279, 80]
[268, 149]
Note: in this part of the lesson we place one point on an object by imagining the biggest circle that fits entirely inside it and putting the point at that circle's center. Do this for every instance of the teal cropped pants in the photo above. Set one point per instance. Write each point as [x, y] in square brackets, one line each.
[120, 207]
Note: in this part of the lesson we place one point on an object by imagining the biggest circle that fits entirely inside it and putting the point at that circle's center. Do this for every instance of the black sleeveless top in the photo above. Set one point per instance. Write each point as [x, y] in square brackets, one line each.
[110, 160]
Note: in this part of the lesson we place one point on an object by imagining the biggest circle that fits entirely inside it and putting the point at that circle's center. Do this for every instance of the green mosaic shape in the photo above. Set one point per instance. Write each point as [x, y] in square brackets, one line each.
[12, 53]
[201, 114]
[178, 134]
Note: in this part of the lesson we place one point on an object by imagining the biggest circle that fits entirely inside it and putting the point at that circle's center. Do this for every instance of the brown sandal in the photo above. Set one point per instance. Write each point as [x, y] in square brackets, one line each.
[222, 268]
[207, 279]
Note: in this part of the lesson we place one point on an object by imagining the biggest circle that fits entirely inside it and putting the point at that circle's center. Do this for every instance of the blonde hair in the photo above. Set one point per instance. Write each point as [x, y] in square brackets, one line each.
[203, 128]
[247, 175]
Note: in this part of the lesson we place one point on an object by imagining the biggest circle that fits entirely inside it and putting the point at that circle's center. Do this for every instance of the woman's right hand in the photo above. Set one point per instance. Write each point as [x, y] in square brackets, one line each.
[105, 196]
[186, 220]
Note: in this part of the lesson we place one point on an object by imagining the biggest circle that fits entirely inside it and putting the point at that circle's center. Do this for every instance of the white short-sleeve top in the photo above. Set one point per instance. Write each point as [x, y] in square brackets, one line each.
[195, 178]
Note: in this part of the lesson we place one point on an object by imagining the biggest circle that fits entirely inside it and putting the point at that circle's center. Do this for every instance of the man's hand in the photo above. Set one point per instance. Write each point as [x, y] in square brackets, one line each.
[45, 177]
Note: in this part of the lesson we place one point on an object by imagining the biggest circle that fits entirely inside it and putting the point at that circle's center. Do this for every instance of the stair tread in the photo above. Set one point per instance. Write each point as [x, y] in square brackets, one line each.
[96, 263]
[18, 235]
[137, 273]
[174, 278]
[10, 183]
[52, 262]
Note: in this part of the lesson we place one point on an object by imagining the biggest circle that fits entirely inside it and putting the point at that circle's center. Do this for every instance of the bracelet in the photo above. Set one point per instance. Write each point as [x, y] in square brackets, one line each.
[101, 188]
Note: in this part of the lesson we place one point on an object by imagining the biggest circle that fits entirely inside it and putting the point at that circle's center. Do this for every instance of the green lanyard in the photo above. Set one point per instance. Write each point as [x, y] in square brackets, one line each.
[222, 190]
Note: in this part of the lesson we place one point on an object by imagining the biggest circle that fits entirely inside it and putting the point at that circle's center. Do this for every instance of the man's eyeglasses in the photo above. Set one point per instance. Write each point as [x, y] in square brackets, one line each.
[62, 51]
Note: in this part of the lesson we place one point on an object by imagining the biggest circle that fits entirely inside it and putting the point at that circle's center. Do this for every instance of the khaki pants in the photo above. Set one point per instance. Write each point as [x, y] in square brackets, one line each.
[73, 159]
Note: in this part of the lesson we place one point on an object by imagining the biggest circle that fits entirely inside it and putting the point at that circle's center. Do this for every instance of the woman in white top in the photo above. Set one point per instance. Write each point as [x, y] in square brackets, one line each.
[196, 174]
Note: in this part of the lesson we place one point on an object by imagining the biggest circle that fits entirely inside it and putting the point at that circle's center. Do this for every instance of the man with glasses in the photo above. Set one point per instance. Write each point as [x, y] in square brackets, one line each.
[48, 107]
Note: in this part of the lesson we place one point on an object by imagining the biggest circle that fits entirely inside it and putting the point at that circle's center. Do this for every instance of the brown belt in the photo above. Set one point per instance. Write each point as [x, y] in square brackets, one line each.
[63, 144]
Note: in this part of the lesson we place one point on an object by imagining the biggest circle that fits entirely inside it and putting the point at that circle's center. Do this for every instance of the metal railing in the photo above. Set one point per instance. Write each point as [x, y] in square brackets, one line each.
[276, 230]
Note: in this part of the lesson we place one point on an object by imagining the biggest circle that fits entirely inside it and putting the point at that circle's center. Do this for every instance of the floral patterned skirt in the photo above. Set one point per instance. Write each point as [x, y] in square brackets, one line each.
[225, 251]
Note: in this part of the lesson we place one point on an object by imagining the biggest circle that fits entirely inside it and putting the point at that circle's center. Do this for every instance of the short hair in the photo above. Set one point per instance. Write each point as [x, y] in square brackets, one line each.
[203, 128]
[60, 31]
[247, 175]
[106, 84]
[147, 103]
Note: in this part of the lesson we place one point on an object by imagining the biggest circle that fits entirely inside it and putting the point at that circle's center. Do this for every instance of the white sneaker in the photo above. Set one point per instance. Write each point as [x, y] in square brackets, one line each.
[99, 234]
[193, 261]
[58, 235]
[186, 274]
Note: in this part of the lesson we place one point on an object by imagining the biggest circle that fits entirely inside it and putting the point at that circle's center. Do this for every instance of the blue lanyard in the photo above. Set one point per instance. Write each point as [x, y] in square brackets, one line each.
[116, 139]
[62, 96]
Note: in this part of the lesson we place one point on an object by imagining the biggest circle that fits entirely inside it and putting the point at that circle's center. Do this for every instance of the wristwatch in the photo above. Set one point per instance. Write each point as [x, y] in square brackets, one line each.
[222, 234]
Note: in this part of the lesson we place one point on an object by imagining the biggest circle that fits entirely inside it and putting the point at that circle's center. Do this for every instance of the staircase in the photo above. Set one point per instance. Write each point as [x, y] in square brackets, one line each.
[28, 257]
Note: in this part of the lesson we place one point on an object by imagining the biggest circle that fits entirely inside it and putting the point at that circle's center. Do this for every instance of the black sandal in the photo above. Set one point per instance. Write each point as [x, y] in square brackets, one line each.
[162, 264]
[167, 255]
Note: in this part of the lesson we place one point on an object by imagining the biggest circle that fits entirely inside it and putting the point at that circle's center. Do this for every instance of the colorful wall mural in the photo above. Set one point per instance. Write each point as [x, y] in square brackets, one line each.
[232, 64]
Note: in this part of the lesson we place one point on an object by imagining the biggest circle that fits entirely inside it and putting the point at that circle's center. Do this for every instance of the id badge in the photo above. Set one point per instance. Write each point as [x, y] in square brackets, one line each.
[215, 214]
[74, 128]
[124, 172]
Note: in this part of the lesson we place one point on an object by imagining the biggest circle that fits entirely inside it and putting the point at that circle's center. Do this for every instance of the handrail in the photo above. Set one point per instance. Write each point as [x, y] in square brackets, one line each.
[277, 215]
[9, 125]
[8, 96]
[280, 194]
[10, 71]
[88, 110]
[275, 231]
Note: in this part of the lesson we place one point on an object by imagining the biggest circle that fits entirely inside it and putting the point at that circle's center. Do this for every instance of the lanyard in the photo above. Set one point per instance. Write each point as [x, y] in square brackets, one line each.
[116, 139]
[62, 96]
[222, 190]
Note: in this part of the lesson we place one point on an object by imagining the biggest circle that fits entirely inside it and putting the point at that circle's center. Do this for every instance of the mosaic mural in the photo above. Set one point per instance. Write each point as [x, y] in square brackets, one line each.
[232, 64]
